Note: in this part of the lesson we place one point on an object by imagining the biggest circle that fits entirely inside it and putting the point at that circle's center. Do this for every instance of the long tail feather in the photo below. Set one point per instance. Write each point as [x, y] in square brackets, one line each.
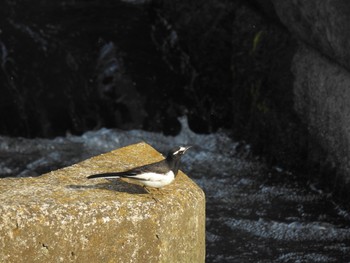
[105, 175]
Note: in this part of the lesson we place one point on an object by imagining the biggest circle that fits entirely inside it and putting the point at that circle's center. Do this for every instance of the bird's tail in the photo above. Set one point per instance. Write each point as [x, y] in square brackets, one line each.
[105, 175]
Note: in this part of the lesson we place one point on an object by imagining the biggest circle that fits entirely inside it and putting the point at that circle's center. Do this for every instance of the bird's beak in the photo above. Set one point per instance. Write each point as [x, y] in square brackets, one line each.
[187, 147]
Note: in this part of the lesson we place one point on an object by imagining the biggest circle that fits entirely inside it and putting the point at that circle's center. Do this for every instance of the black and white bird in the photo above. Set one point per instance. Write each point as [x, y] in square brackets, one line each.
[156, 175]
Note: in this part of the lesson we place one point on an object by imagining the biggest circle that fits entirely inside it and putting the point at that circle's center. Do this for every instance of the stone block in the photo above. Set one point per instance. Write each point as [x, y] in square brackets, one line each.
[63, 217]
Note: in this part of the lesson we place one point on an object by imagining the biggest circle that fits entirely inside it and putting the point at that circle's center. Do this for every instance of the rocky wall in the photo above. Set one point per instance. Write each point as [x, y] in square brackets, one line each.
[322, 79]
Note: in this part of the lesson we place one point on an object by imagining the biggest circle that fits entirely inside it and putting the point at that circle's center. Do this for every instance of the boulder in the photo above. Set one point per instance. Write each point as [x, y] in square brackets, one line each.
[322, 98]
[63, 217]
[325, 25]
[321, 86]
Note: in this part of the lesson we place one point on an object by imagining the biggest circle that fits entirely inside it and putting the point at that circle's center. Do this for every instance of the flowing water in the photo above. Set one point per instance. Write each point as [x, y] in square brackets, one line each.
[254, 213]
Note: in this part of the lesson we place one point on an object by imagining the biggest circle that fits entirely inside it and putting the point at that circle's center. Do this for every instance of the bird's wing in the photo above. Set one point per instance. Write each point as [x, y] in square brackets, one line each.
[141, 173]
[147, 172]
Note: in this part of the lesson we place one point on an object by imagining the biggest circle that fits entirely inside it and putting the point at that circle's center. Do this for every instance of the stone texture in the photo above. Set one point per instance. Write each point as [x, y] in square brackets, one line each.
[323, 24]
[63, 217]
[321, 87]
[322, 97]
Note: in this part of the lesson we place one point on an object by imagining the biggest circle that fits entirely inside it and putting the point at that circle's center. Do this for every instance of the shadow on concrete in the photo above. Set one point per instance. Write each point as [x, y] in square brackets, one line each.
[114, 185]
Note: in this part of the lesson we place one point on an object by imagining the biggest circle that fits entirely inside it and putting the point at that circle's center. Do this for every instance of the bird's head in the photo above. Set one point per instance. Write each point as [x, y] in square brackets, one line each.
[177, 152]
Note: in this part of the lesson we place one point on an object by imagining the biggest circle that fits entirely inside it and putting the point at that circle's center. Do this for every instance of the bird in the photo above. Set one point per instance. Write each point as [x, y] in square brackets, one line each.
[157, 175]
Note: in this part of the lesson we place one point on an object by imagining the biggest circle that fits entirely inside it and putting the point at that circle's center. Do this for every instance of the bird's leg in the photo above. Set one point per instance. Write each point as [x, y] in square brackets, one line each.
[149, 192]
[160, 191]
[146, 189]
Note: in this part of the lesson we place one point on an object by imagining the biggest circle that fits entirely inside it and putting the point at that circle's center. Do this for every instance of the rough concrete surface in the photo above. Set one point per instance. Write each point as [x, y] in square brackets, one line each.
[322, 99]
[63, 217]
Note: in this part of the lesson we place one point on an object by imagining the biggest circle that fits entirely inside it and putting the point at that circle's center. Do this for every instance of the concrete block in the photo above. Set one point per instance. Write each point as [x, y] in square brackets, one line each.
[63, 217]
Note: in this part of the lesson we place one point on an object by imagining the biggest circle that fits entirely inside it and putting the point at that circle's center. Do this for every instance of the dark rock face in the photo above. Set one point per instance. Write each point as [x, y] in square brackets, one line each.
[82, 66]
[322, 98]
[238, 74]
[325, 25]
[321, 69]
[71, 67]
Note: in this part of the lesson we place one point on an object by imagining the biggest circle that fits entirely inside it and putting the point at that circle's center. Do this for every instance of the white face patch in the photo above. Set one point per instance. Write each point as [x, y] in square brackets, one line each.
[181, 150]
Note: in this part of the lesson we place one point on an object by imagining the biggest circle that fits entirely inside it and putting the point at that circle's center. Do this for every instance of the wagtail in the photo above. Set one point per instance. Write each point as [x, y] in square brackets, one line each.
[157, 174]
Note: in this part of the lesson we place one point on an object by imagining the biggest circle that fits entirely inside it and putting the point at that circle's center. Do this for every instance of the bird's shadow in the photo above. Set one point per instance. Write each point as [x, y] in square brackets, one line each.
[114, 185]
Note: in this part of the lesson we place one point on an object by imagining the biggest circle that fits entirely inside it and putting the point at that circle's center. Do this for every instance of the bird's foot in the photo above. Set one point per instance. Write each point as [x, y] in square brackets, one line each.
[151, 194]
